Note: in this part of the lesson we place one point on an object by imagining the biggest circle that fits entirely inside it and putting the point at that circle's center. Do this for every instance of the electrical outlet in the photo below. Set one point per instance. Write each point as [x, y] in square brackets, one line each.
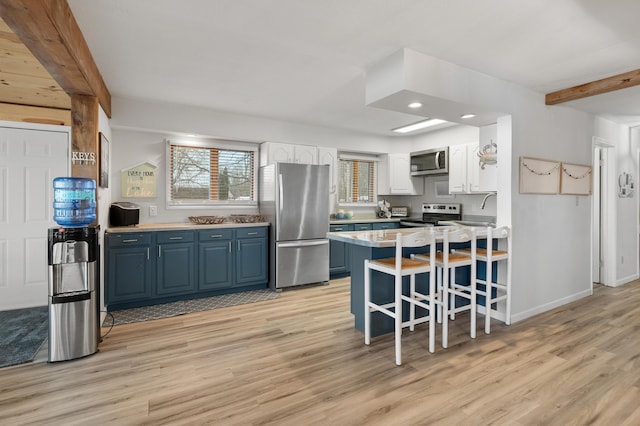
[153, 211]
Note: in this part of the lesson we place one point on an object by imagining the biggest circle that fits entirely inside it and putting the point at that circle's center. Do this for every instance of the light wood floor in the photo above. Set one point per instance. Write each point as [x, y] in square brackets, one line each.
[297, 360]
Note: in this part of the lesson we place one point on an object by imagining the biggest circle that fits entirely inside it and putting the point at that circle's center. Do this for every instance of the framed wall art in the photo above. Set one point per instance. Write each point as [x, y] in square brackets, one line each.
[538, 176]
[575, 179]
[104, 161]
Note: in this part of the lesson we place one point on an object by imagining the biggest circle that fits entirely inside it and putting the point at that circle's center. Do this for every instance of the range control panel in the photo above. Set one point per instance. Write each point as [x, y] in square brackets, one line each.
[440, 208]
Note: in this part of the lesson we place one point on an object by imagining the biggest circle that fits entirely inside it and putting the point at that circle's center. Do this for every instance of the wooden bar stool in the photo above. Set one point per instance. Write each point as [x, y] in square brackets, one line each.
[490, 288]
[447, 261]
[400, 267]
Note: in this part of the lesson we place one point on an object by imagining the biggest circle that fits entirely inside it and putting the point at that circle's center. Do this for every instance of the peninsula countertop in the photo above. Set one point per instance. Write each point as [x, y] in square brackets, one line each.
[387, 237]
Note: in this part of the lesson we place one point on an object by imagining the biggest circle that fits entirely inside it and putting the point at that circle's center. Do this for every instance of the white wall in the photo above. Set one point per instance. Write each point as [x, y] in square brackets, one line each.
[140, 128]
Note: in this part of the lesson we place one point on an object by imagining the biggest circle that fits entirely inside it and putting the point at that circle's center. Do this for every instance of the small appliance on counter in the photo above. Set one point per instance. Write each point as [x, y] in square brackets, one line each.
[400, 211]
[124, 213]
[383, 210]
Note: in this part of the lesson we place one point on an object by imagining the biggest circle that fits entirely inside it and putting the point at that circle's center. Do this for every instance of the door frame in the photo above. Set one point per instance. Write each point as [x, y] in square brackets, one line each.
[605, 205]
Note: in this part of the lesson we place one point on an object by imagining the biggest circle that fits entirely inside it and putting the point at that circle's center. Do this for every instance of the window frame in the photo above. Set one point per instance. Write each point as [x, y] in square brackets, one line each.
[220, 144]
[360, 157]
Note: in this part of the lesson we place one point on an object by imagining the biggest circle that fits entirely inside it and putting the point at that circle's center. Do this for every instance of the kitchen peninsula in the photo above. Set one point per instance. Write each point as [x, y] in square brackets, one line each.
[376, 245]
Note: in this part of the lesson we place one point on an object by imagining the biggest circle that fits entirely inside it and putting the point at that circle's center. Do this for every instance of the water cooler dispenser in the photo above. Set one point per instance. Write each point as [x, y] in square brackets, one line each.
[73, 302]
[74, 327]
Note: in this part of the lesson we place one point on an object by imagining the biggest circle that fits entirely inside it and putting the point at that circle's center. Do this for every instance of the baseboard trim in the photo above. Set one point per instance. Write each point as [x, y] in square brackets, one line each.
[625, 280]
[549, 306]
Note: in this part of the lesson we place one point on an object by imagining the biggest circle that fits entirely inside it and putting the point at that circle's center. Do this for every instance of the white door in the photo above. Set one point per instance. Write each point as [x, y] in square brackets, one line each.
[29, 161]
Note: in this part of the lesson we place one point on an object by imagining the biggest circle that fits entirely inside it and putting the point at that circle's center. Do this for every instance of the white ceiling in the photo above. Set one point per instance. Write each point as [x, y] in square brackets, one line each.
[305, 61]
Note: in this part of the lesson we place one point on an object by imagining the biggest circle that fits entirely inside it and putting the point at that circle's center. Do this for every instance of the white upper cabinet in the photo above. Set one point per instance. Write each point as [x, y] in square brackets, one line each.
[329, 156]
[273, 152]
[458, 183]
[305, 154]
[471, 169]
[394, 176]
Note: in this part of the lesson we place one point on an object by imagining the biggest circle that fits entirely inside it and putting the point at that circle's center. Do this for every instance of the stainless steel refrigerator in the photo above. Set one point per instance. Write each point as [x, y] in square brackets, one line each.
[295, 199]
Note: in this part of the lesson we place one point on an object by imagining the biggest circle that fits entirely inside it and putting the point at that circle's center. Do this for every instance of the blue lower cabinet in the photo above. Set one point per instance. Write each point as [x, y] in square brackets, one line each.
[215, 259]
[129, 274]
[251, 256]
[385, 225]
[160, 266]
[340, 253]
[175, 263]
[129, 267]
[339, 262]
[362, 226]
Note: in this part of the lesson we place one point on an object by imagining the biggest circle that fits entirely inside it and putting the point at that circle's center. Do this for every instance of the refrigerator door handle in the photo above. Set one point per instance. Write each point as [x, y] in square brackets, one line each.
[304, 244]
[280, 193]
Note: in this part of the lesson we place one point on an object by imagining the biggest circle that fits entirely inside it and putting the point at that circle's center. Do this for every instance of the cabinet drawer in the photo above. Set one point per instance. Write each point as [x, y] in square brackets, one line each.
[251, 232]
[385, 225]
[340, 228]
[129, 239]
[215, 234]
[175, 237]
[361, 226]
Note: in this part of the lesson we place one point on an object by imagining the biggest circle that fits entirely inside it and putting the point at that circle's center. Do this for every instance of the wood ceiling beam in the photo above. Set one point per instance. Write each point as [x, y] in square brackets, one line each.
[598, 87]
[51, 33]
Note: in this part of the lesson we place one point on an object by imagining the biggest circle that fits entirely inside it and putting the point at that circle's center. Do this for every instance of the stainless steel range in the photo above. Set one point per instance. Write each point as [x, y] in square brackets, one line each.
[434, 213]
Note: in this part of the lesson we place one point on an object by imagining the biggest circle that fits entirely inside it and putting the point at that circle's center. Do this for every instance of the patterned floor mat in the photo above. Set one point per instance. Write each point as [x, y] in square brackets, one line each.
[22, 333]
[182, 307]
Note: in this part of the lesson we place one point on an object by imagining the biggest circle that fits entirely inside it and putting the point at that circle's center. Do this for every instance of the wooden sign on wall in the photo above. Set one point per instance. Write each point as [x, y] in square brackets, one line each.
[139, 181]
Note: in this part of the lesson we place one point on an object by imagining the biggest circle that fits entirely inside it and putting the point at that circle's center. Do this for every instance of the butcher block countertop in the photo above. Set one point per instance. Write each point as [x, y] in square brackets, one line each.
[181, 226]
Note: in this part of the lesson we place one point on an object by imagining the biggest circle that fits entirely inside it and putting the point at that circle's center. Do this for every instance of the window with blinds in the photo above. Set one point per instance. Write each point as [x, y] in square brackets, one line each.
[357, 182]
[210, 173]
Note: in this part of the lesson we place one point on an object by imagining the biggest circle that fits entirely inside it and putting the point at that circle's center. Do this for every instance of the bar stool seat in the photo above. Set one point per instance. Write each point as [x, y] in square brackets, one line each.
[489, 255]
[400, 266]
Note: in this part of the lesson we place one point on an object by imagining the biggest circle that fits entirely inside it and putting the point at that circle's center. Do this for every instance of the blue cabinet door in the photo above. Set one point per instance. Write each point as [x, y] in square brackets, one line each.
[176, 269]
[339, 259]
[251, 261]
[215, 260]
[175, 263]
[129, 268]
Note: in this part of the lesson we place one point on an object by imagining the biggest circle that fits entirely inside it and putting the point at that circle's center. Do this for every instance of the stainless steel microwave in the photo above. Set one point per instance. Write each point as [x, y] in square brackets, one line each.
[430, 162]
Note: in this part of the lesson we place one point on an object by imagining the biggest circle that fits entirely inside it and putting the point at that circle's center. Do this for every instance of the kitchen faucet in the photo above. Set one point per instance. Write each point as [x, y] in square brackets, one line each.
[484, 201]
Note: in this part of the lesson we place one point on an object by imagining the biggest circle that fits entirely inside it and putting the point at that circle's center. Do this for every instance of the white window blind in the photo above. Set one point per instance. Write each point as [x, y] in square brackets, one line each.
[201, 174]
[357, 181]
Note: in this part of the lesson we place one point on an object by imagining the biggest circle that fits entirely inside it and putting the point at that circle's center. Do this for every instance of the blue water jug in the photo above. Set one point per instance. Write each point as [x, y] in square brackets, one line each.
[74, 201]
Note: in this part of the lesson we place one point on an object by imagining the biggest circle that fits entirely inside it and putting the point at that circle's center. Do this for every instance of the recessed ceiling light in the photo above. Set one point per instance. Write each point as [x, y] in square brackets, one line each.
[415, 105]
[467, 116]
[419, 125]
